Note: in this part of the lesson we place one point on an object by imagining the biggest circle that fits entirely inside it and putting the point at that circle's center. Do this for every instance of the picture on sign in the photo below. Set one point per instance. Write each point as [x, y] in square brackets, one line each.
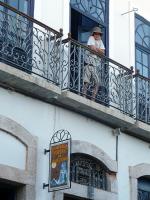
[59, 166]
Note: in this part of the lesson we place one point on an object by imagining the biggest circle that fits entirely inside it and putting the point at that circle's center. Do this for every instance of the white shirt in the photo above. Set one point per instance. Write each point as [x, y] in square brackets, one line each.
[91, 58]
[97, 43]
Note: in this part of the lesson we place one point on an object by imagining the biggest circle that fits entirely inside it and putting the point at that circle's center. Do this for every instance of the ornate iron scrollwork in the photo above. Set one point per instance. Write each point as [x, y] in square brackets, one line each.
[88, 171]
[143, 195]
[95, 8]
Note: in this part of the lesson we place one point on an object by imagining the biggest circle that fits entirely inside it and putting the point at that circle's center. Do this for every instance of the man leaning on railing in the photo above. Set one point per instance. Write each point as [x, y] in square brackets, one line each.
[91, 77]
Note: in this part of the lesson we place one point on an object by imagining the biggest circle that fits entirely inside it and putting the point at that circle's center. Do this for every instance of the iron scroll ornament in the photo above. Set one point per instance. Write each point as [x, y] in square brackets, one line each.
[86, 170]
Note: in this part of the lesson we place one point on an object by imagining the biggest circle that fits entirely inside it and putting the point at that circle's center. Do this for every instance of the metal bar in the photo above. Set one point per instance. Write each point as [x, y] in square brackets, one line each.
[45, 185]
[46, 151]
[79, 70]
[137, 97]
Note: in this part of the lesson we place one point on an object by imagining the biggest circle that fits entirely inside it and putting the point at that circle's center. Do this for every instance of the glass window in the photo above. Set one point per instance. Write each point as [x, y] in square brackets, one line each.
[23, 6]
[145, 59]
[86, 170]
[86, 14]
[142, 42]
[95, 8]
[138, 55]
[143, 188]
[14, 3]
[145, 71]
[1, 8]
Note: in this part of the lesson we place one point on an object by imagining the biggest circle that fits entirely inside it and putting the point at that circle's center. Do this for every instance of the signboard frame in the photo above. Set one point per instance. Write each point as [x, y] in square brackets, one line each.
[59, 161]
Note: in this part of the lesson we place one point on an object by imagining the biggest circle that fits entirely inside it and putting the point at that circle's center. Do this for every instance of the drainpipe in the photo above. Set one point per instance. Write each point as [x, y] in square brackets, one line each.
[116, 133]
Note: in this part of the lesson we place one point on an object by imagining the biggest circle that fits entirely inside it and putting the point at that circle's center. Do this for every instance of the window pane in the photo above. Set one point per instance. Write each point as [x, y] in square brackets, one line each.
[84, 37]
[146, 42]
[145, 71]
[23, 6]
[139, 67]
[93, 8]
[145, 59]
[142, 33]
[138, 38]
[13, 3]
[142, 39]
[138, 55]
[1, 7]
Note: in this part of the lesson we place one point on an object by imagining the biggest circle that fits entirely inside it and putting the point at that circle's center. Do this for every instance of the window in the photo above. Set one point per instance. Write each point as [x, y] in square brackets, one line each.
[84, 16]
[143, 188]
[142, 62]
[88, 171]
[142, 44]
[25, 6]
[87, 14]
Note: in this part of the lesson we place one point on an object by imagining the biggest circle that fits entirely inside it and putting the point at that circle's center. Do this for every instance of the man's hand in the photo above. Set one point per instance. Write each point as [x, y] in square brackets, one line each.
[97, 50]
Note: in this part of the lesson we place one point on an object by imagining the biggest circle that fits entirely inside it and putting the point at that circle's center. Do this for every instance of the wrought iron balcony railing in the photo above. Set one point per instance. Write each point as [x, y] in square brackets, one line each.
[142, 96]
[28, 44]
[96, 77]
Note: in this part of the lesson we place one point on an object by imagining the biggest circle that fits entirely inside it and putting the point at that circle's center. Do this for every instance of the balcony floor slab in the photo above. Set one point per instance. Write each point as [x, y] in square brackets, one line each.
[39, 88]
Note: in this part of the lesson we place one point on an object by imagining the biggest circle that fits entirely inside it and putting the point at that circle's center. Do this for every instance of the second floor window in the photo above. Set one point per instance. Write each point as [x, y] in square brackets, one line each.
[87, 14]
[25, 6]
[142, 46]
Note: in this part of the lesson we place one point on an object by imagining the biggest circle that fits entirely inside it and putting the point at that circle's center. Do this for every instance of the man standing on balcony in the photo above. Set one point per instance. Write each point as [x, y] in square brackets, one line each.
[91, 77]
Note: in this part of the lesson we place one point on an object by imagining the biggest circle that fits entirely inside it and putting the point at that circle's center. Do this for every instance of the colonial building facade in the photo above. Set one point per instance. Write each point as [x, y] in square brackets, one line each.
[43, 52]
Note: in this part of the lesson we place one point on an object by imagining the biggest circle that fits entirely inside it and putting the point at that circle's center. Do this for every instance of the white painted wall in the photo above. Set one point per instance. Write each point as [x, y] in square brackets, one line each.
[12, 151]
[42, 120]
[132, 151]
[52, 13]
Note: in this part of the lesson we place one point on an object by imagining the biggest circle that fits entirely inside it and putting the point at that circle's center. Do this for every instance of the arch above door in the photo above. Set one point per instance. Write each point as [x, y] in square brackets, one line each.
[81, 191]
[136, 172]
[23, 177]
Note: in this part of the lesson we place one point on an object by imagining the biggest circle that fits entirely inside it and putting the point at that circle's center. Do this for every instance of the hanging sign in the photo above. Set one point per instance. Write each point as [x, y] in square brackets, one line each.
[59, 168]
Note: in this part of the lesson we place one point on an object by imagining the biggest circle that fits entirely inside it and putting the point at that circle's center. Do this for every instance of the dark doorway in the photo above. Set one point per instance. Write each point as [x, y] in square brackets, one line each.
[144, 188]
[7, 191]
[81, 26]
[70, 197]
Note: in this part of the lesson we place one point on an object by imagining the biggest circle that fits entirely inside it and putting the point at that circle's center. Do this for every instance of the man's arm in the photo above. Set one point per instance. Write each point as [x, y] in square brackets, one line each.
[97, 50]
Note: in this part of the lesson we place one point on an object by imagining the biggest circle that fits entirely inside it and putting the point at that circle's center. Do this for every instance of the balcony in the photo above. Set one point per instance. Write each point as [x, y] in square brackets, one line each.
[69, 74]
[29, 45]
[96, 77]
